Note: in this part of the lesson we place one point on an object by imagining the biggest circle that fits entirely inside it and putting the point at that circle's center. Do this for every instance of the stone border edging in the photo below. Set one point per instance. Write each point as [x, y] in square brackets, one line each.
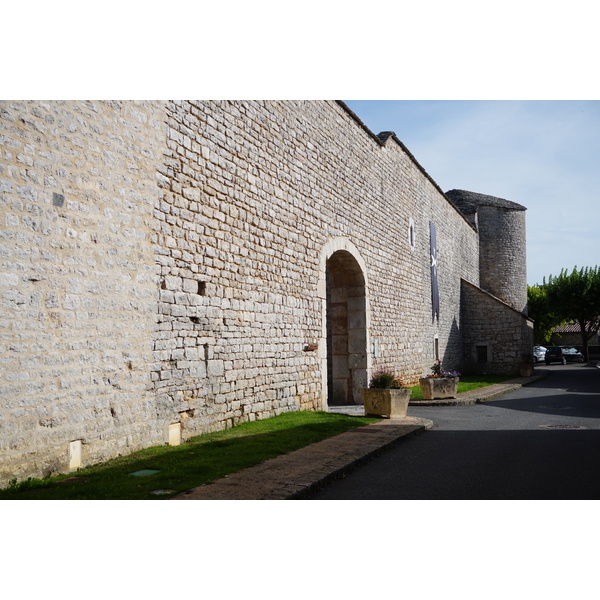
[298, 473]
[356, 463]
[483, 394]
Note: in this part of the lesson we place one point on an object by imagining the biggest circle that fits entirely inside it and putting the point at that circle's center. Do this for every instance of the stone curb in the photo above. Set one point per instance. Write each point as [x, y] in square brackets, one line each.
[483, 394]
[295, 474]
[354, 463]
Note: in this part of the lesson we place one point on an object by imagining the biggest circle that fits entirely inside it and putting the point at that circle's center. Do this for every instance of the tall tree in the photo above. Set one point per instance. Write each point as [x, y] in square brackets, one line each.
[545, 318]
[576, 298]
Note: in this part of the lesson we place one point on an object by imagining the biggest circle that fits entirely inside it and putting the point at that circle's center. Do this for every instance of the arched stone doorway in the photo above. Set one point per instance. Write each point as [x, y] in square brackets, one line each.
[345, 303]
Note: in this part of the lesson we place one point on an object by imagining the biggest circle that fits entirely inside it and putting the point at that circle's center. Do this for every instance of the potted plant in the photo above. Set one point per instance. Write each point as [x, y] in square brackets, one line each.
[386, 396]
[440, 384]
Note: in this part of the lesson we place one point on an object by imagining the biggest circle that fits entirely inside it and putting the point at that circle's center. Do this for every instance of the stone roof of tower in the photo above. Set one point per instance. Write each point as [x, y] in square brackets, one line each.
[469, 202]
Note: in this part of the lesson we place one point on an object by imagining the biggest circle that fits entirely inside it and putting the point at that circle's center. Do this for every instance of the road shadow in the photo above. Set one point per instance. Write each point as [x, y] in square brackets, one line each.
[542, 464]
[568, 404]
[580, 378]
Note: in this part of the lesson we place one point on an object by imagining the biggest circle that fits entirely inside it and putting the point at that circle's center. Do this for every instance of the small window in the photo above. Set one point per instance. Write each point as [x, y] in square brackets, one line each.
[436, 348]
[482, 354]
[411, 233]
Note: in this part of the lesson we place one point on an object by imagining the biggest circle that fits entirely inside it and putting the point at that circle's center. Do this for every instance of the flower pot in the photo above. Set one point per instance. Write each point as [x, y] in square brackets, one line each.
[438, 388]
[391, 403]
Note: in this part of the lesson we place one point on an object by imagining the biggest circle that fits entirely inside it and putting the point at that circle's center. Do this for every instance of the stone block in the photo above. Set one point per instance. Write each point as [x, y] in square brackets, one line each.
[190, 286]
[339, 393]
[8, 279]
[215, 368]
[357, 341]
[173, 284]
[339, 365]
[357, 319]
[339, 344]
[357, 361]
[357, 303]
[175, 434]
[75, 456]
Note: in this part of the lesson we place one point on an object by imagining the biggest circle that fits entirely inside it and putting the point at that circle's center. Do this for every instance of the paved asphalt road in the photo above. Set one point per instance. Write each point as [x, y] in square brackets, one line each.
[540, 442]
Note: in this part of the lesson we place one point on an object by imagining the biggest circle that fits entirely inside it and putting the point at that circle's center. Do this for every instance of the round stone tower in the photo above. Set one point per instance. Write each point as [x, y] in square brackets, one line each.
[502, 244]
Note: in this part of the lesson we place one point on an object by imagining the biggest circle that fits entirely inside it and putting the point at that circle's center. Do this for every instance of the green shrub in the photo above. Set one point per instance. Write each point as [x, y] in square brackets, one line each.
[385, 380]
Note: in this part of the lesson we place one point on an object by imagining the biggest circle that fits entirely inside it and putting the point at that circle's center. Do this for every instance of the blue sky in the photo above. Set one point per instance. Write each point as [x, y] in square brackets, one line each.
[542, 154]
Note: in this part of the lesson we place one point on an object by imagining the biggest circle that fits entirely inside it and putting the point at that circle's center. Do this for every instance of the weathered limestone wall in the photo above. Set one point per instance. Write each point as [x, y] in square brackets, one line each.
[77, 305]
[503, 254]
[234, 310]
[164, 265]
[250, 194]
[502, 334]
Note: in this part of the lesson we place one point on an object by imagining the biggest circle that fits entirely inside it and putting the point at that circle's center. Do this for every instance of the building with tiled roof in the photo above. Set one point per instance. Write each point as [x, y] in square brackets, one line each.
[570, 333]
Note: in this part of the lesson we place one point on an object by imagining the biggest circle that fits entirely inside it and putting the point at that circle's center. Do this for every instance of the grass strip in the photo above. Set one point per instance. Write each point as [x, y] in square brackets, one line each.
[199, 460]
[467, 383]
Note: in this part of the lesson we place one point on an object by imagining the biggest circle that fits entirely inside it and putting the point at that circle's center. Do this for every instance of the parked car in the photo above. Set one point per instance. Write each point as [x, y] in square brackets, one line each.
[572, 355]
[562, 354]
[539, 353]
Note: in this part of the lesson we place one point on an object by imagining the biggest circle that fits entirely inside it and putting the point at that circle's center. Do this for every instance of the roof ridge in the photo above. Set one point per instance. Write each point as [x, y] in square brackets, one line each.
[469, 202]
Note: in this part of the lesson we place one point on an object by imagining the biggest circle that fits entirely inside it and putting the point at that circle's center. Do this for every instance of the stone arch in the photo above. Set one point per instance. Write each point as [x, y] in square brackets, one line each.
[343, 291]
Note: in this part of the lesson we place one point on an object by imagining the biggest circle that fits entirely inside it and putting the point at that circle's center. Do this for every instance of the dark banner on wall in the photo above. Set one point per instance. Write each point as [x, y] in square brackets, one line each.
[435, 293]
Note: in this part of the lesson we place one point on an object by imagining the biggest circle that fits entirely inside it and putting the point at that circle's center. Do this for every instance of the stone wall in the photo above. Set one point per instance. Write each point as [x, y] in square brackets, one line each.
[503, 264]
[164, 268]
[77, 296]
[496, 336]
[250, 194]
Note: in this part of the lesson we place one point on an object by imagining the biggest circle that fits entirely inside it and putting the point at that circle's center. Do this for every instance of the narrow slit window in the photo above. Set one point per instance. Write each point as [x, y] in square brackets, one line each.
[482, 354]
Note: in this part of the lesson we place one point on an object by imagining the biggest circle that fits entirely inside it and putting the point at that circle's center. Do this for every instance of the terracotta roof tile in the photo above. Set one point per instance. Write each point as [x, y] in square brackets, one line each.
[568, 328]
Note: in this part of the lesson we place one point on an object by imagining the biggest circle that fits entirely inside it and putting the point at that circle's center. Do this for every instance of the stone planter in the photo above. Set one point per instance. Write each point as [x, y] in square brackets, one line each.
[438, 388]
[386, 402]
[526, 369]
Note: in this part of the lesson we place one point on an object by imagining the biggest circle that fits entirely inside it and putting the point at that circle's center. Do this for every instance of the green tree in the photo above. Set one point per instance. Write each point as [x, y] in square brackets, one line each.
[545, 319]
[576, 298]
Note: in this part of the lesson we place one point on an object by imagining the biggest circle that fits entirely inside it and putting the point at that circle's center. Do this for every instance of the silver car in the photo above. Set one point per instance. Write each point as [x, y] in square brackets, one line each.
[539, 353]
